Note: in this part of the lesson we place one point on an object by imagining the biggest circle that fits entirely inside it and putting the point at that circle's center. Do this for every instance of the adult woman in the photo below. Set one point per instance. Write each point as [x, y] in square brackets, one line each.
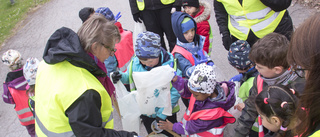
[71, 101]
[304, 55]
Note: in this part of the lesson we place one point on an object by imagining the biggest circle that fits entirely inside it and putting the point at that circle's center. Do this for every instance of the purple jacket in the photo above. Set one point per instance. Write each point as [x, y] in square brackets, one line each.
[196, 126]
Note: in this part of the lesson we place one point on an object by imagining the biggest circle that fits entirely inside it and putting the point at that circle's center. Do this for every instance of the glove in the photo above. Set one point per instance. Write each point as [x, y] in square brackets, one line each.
[116, 76]
[210, 63]
[136, 17]
[189, 71]
[226, 40]
[203, 58]
[236, 77]
[117, 16]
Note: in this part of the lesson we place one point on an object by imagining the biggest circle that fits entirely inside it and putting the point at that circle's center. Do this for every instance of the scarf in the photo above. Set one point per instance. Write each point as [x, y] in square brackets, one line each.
[105, 81]
[284, 79]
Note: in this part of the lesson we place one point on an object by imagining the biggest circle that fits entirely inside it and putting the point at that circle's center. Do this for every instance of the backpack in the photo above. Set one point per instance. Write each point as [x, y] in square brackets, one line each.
[18, 83]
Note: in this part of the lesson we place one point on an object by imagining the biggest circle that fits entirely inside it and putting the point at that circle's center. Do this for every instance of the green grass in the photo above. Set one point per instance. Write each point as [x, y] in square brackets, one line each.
[10, 15]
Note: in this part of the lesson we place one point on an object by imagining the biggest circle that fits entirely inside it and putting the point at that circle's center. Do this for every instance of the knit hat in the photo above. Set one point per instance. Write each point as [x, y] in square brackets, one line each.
[147, 45]
[187, 24]
[203, 79]
[30, 70]
[12, 58]
[192, 3]
[105, 11]
[238, 55]
[85, 13]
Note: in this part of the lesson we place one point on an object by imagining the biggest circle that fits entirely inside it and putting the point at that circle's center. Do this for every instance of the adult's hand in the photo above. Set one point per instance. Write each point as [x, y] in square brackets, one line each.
[137, 17]
[226, 40]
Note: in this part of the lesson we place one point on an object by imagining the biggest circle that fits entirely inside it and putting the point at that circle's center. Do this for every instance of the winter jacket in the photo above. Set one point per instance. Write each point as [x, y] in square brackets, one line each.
[165, 59]
[192, 47]
[284, 26]
[149, 5]
[203, 26]
[249, 112]
[84, 114]
[196, 126]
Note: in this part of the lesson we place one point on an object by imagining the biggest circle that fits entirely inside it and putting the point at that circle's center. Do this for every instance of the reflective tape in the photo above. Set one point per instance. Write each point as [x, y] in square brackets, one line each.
[52, 134]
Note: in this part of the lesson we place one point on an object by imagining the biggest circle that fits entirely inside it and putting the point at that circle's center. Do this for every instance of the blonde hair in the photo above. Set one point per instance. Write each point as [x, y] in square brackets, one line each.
[98, 29]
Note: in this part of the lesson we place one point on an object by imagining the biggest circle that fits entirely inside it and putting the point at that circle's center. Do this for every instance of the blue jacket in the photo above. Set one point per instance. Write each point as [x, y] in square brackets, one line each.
[166, 59]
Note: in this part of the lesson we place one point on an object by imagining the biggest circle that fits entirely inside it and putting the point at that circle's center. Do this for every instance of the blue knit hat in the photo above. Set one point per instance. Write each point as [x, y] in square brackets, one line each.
[187, 24]
[238, 55]
[147, 45]
[105, 11]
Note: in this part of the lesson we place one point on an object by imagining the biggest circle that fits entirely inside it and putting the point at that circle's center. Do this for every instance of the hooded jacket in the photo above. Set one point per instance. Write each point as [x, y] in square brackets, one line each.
[84, 114]
[203, 26]
[225, 102]
[192, 47]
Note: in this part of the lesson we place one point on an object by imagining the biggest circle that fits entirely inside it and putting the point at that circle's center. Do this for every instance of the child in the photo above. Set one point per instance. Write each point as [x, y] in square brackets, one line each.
[30, 73]
[269, 55]
[238, 57]
[86, 13]
[124, 54]
[149, 54]
[15, 85]
[189, 48]
[200, 11]
[277, 105]
[207, 112]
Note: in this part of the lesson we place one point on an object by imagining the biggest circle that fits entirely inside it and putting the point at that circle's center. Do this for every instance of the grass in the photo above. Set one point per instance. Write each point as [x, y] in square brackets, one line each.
[11, 15]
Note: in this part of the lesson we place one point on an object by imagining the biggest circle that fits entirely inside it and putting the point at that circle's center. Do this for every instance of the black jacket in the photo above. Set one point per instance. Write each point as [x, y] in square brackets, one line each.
[285, 26]
[84, 114]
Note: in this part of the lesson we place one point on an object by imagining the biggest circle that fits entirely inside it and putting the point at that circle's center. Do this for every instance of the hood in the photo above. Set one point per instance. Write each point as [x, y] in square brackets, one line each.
[229, 99]
[204, 13]
[176, 19]
[64, 44]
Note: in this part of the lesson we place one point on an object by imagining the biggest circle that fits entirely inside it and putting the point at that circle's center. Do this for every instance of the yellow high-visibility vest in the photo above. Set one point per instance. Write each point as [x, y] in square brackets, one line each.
[53, 99]
[251, 15]
[141, 5]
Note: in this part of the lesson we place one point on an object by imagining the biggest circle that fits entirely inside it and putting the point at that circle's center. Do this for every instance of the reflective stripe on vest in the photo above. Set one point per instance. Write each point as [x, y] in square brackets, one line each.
[207, 114]
[22, 109]
[48, 133]
[141, 5]
[210, 40]
[253, 15]
[124, 51]
[53, 99]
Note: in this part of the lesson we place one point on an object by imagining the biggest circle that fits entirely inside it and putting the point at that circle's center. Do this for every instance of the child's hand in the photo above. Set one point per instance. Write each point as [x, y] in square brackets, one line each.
[166, 125]
[239, 106]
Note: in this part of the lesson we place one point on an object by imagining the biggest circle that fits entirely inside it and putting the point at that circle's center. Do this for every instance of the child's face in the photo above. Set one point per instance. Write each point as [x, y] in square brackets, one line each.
[267, 72]
[189, 9]
[150, 62]
[199, 96]
[189, 35]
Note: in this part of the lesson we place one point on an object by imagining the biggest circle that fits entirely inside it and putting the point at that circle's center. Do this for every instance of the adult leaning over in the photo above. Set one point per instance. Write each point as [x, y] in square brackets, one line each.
[304, 55]
[71, 101]
[251, 20]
